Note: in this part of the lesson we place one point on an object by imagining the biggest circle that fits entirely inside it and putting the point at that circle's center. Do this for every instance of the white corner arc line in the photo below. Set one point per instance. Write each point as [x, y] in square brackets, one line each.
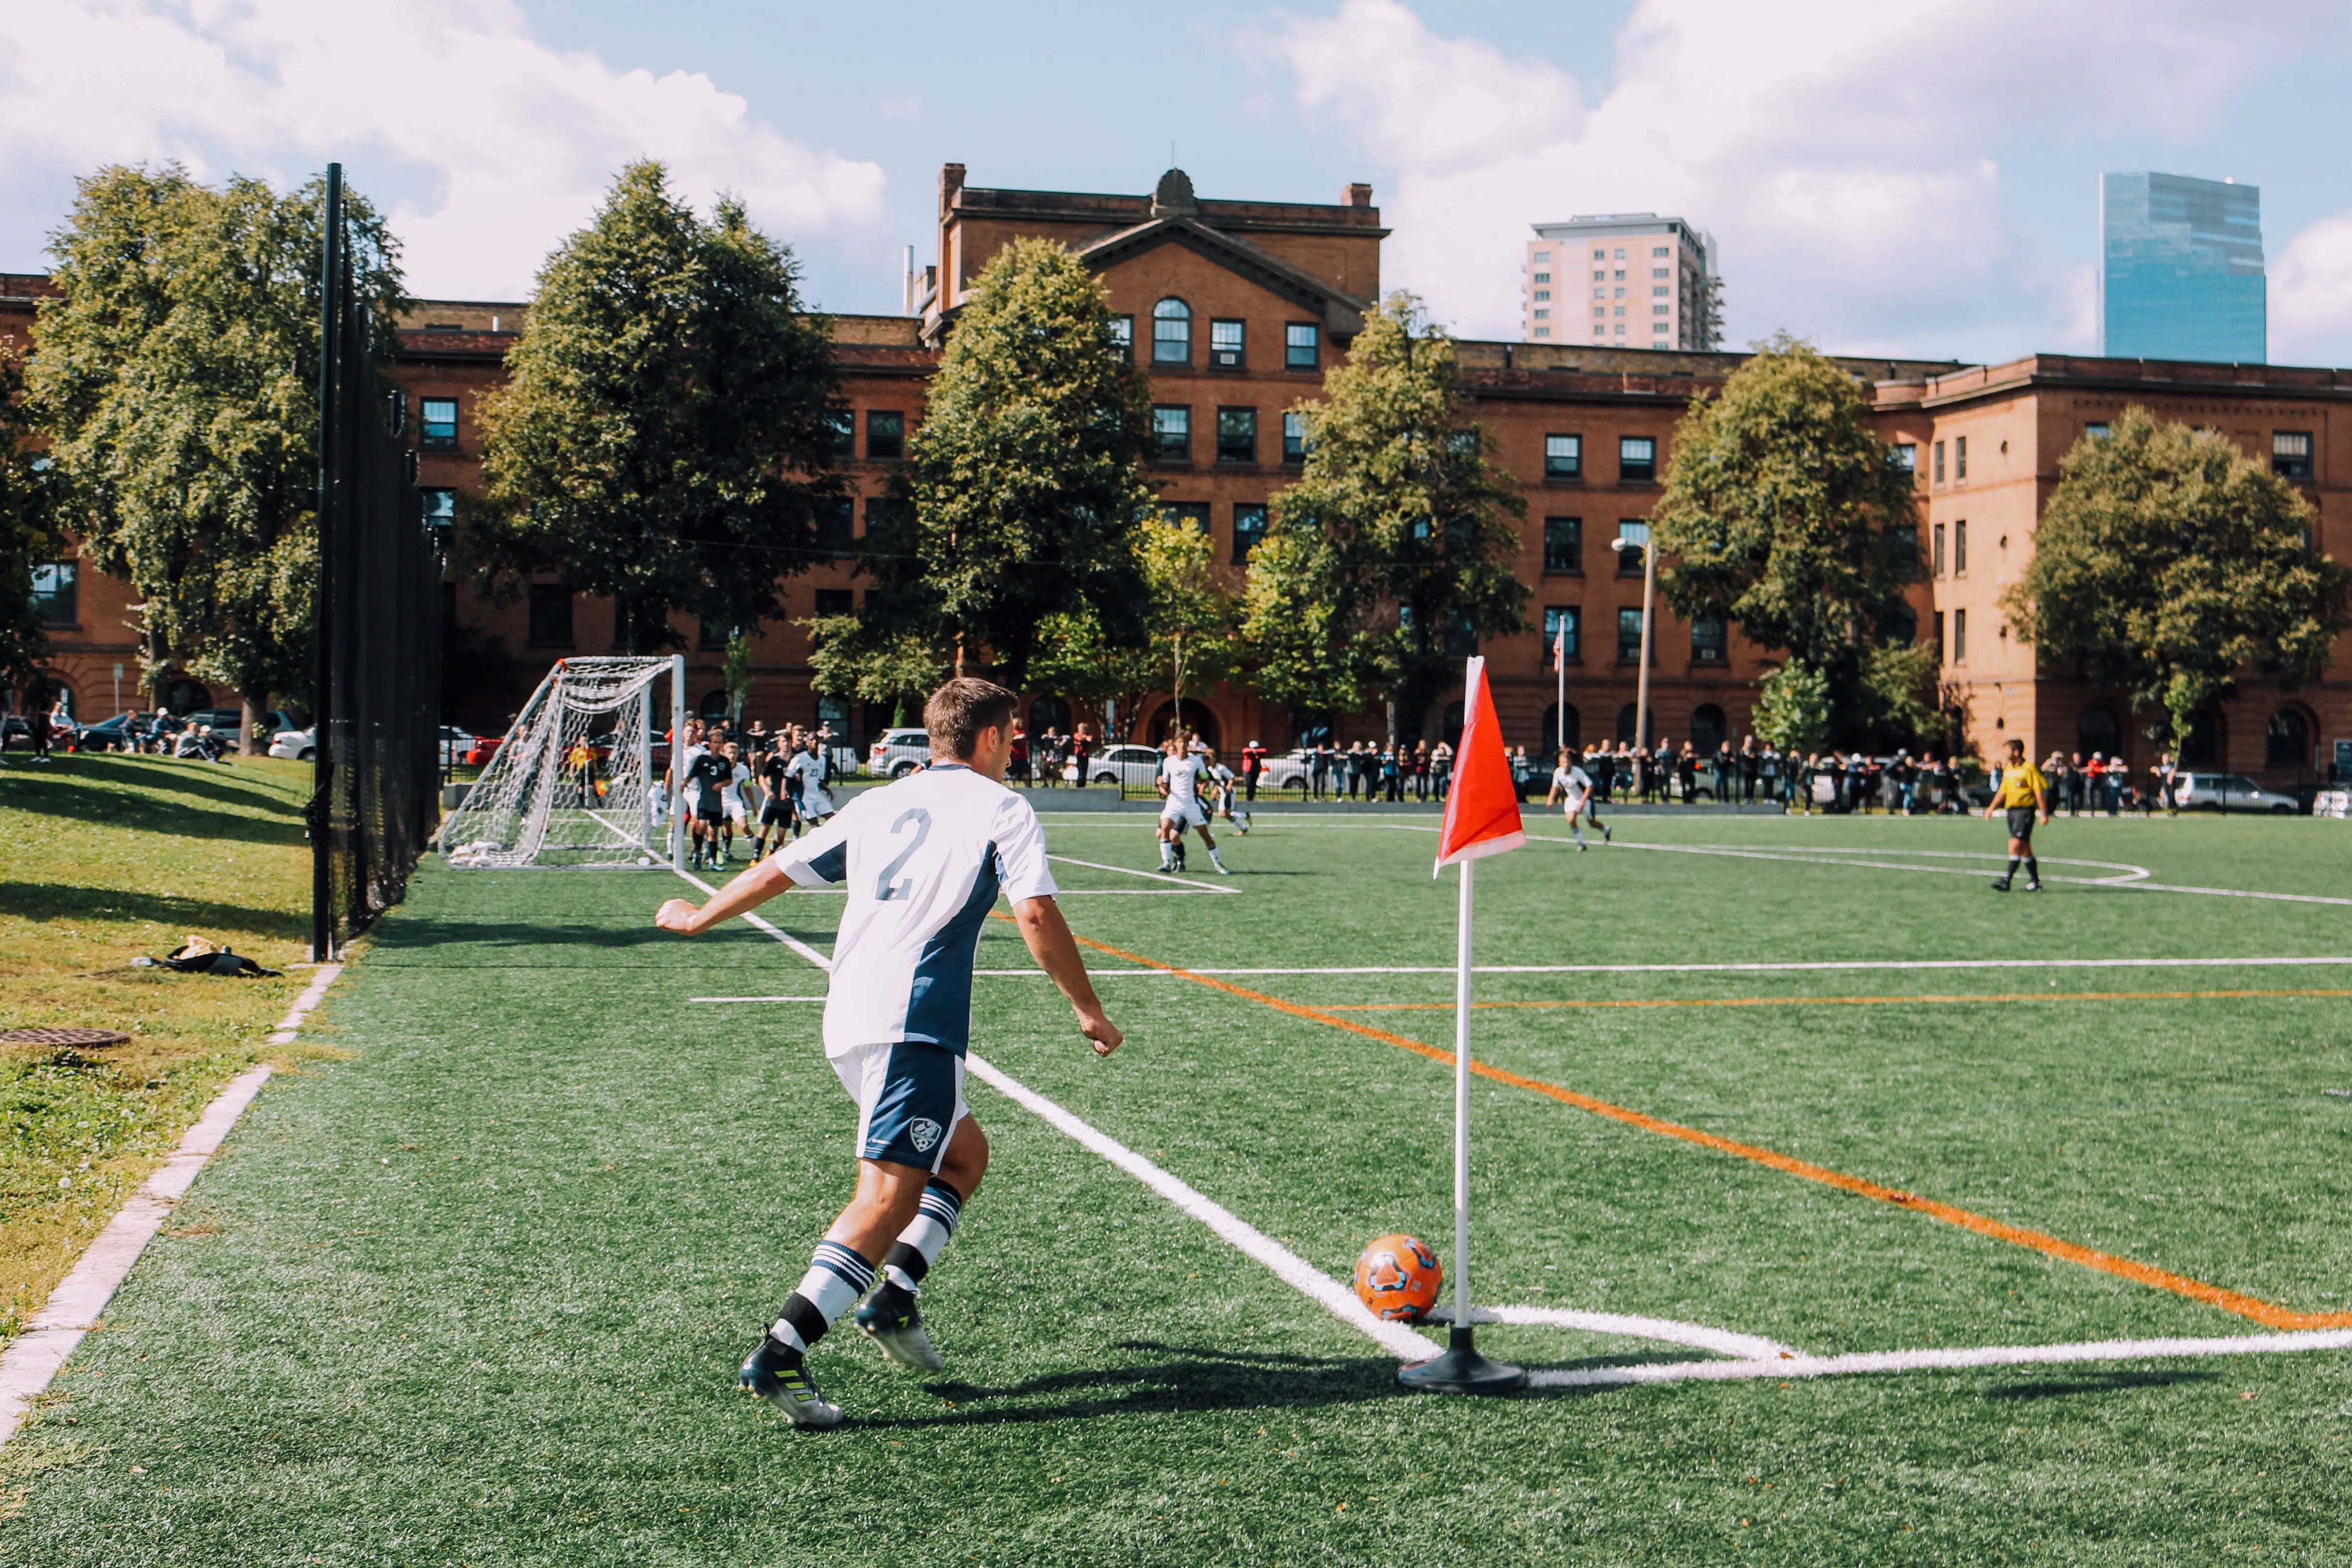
[2323, 961]
[1723, 1342]
[1958, 1359]
[1189, 885]
[51, 1337]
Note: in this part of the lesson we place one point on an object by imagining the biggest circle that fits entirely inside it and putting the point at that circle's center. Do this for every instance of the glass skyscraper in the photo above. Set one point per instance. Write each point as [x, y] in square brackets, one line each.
[2180, 269]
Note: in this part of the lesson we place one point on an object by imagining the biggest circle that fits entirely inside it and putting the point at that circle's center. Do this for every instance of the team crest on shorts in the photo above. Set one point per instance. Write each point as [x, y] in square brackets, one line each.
[922, 1131]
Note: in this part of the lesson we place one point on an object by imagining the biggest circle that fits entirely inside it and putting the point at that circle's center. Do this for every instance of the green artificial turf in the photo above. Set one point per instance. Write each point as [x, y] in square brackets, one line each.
[477, 1295]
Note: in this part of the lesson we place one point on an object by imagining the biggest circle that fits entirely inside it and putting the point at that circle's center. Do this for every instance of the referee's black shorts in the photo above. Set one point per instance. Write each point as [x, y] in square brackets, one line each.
[2020, 823]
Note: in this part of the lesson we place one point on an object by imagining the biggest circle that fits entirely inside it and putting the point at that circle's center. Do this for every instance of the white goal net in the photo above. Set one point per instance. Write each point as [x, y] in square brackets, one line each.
[571, 785]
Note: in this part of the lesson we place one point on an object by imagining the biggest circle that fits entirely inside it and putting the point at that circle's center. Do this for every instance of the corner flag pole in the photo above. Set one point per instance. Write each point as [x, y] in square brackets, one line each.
[1482, 819]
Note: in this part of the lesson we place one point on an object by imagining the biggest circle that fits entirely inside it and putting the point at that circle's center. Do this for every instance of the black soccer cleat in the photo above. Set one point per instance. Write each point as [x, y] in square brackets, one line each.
[2001, 887]
[889, 1318]
[778, 1373]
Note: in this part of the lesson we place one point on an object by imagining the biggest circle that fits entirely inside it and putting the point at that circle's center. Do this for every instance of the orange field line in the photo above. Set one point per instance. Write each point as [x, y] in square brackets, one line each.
[1830, 1001]
[2265, 1313]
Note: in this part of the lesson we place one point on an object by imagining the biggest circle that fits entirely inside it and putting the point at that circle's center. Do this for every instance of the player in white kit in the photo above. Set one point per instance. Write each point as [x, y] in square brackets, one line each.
[923, 860]
[1179, 787]
[1571, 784]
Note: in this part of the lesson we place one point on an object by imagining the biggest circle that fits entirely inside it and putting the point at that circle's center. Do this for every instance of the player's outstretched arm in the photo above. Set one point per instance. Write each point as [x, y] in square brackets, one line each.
[754, 888]
[1056, 952]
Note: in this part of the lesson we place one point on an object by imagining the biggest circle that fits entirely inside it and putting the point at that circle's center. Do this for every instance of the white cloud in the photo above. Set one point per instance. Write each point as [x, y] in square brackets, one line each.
[2311, 292]
[485, 145]
[1843, 152]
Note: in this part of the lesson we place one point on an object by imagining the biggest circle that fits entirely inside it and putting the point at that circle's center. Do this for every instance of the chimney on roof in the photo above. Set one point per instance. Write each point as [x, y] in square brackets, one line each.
[1359, 195]
[951, 186]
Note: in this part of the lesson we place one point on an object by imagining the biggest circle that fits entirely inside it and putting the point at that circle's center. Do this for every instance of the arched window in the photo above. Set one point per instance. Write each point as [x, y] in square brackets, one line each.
[1557, 733]
[1172, 333]
[2287, 742]
[2098, 730]
[1707, 729]
[1449, 728]
[2203, 748]
[833, 713]
[1049, 713]
[184, 695]
[714, 704]
[1625, 722]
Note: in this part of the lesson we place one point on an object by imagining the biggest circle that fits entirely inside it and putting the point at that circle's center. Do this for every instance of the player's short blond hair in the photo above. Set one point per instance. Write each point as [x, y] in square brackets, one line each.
[960, 710]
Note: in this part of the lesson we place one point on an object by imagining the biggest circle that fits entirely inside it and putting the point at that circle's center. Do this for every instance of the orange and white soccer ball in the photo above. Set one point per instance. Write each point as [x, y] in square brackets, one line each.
[1398, 1277]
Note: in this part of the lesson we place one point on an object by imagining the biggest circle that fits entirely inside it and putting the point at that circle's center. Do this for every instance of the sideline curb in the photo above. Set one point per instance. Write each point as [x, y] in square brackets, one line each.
[34, 1359]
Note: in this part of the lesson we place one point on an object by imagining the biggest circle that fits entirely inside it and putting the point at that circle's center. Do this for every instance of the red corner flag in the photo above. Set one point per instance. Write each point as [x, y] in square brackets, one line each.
[1482, 813]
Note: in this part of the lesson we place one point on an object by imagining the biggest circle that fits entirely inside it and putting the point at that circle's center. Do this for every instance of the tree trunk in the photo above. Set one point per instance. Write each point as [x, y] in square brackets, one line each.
[257, 706]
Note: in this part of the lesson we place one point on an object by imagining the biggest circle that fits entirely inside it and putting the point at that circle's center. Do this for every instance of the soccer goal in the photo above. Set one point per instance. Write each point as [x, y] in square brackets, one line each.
[574, 783]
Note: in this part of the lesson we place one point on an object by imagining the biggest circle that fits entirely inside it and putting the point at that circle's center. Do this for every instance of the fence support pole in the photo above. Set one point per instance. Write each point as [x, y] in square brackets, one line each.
[322, 764]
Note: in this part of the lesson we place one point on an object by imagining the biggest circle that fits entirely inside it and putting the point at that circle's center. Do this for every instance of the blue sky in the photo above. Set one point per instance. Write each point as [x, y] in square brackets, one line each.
[1917, 180]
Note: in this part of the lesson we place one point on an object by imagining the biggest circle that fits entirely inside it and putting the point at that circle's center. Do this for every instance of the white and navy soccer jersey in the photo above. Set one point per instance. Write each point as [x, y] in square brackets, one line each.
[808, 768]
[1574, 783]
[1183, 777]
[923, 861]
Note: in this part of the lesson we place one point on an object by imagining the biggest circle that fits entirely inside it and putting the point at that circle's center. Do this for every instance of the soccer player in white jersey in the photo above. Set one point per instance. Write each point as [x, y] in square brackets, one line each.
[1221, 780]
[809, 768]
[923, 861]
[1180, 773]
[1571, 784]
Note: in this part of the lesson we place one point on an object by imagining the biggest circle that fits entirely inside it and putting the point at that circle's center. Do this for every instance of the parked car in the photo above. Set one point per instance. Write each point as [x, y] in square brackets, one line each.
[1124, 765]
[296, 745]
[455, 743]
[898, 753]
[123, 732]
[228, 723]
[15, 728]
[2228, 792]
[1292, 769]
[485, 747]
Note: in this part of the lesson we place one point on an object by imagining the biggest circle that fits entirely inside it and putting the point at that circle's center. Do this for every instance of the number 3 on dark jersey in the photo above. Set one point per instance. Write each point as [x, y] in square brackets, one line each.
[885, 889]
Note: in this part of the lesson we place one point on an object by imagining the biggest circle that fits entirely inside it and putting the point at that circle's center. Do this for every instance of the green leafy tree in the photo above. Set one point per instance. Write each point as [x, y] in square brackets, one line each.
[28, 538]
[1395, 548]
[1784, 514]
[1792, 708]
[663, 436]
[175, 374]
[1188, 630]
[1025, 480]
[2171, 564]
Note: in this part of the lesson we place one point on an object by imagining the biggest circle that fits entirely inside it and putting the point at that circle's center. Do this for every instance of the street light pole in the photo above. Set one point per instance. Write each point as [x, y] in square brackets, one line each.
[1636, 536]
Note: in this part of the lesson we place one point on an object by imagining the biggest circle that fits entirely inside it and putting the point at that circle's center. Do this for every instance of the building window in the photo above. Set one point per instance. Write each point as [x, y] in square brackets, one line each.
[1657, 250]
[1226, 340]
[57, 592]
[1543, 315]
[1543, 257]
[551, 615]
[1960, 458]
[1563, 545]
[1906, 457]
[835, 536]
[2287, 742]
[885, 434]
[1938, 462]
[2291, 454]
[1563, 635]
[1637, 460]
[1629, 560]
[1122, 337]
[1939, 550]
[1960, 636]
[1301, 346]
[1172, 333]
[1942, 655]
[1543, 277]
[833, 601]
[1709, 640]
[840, 435]
[1236, 435]
[440, 507]
[2097, 431]
[1249, 526]
[1194, 513]
[439, 424]
[1629, 635]
[1960, 549]
[1294, 438]
[1563, 456]
[1543, 293]
[1543, 332]
[714, 635]
[1172, 428]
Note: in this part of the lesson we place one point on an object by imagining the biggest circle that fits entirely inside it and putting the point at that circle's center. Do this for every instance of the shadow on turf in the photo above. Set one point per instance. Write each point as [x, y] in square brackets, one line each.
[2097, 1382]
[51, 900]
[73, 792]
[414, 930]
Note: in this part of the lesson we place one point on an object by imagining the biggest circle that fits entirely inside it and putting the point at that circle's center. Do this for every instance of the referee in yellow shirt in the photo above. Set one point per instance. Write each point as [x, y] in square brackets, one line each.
[2024, 794]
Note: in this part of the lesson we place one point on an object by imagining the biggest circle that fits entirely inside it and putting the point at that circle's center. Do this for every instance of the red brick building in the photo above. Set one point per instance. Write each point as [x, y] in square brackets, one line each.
[1236, 309]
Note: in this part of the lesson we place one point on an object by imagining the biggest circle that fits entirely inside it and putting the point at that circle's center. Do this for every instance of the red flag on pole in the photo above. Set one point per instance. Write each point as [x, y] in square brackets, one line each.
[1482, 813]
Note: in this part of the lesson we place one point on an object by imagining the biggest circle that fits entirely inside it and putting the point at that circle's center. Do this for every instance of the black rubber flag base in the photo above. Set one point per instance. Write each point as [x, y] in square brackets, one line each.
[1462, 1370]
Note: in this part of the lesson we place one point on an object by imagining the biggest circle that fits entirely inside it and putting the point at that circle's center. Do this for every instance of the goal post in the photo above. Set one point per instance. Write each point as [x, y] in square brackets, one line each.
[574, 783]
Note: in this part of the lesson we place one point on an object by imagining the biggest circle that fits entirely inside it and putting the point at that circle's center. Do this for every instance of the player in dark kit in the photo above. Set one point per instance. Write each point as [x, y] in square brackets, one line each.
[707, 777]
[775, 801]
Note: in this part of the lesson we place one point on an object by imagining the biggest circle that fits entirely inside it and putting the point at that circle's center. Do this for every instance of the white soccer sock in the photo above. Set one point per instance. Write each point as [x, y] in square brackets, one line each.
[1214, 857]
[1167, 854]
[836, 1277]
[926, 1237]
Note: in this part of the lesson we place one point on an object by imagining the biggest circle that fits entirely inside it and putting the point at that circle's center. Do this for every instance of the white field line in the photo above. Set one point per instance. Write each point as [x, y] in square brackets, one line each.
[1405, 1343]
[789, 940]
[1959, 1359]
[73, 1309]
[1189, 885]
[1887, 964]
[755, 999]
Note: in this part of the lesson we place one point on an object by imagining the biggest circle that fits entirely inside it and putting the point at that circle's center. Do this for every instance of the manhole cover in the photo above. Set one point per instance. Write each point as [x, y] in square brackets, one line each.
[65, 1037]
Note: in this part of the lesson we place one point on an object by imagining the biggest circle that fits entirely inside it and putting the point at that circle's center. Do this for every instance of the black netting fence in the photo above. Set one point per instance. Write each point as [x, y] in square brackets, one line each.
[378, 685]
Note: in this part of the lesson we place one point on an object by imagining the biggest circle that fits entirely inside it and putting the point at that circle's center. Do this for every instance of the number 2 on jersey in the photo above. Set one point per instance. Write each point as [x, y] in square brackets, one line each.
[885, 889]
